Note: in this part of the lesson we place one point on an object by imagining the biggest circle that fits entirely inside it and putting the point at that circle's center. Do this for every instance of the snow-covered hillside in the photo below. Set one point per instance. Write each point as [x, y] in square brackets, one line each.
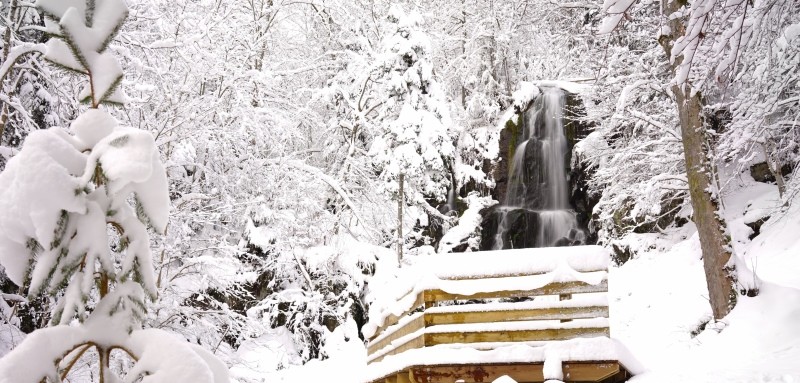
[659, 311]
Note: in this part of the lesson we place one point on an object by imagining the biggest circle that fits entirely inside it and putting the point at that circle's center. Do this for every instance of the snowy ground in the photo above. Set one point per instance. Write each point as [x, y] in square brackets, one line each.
[658, 304]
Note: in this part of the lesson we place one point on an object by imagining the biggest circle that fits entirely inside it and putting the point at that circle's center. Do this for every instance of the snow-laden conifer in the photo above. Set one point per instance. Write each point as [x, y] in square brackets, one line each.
[76, 207]
[413, 150]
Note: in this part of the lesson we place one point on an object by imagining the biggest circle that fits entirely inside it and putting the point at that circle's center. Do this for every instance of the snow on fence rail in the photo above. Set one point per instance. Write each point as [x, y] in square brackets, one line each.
[449, 311]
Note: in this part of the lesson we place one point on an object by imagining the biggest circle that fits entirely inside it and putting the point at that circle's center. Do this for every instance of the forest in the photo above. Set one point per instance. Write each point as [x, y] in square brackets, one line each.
[227, 191]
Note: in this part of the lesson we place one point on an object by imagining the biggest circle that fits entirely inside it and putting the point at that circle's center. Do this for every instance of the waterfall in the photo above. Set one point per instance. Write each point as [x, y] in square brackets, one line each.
[537, 193]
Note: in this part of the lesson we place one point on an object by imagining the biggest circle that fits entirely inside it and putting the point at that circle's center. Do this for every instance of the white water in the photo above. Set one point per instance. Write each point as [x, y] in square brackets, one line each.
[540, 186]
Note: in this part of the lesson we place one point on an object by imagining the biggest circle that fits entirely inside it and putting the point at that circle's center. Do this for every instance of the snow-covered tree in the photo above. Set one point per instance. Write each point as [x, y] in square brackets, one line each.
[765, 108]
[28, 98]
[635, 117]
[77, 206]
[414, 151]
[682, 39]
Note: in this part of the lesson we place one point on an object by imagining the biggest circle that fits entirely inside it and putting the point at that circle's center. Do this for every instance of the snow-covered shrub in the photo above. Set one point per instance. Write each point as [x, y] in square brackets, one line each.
[77, 205]
[311, 292]
[466, 236]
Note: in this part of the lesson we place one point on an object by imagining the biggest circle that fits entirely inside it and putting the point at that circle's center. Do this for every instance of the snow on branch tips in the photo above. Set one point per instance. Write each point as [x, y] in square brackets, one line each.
[77, 208]
[616, 10]
[82, 30]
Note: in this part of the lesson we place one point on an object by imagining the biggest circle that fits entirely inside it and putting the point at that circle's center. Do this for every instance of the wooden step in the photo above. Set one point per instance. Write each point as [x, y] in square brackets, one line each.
[601, 371]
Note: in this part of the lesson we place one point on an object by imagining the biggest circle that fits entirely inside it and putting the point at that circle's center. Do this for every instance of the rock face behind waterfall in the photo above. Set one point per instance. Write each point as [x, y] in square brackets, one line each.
[536, 188]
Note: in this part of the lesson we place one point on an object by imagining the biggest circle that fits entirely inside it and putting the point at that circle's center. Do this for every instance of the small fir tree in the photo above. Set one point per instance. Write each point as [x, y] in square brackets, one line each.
[77, 206]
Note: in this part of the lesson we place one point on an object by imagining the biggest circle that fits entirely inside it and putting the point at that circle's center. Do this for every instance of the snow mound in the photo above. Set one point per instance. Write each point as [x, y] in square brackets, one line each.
[33, 201]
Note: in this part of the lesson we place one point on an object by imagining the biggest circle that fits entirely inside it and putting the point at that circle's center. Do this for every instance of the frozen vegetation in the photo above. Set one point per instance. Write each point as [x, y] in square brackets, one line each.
[228, 191]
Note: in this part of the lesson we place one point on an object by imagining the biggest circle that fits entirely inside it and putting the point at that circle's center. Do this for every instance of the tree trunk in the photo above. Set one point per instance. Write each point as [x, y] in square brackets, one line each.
[774, 167]
[463, 50]
[400, 200]
[714, 240]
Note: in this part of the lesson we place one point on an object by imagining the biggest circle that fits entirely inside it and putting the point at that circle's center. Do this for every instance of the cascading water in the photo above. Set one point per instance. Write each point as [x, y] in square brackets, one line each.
[537, 186]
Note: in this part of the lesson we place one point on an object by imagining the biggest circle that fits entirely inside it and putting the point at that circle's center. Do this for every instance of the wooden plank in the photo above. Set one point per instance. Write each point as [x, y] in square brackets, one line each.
[566, 297]
[515, 274]
[393, 319]
[400, 332]
[556, 288]
[553, 313]
[523, 373]
[418, 342]
[404, 377]
[477, 373]
[590, 371]
[514, 336]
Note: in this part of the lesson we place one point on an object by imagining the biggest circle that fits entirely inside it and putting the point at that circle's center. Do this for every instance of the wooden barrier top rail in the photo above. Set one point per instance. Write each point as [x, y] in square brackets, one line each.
[470, 317]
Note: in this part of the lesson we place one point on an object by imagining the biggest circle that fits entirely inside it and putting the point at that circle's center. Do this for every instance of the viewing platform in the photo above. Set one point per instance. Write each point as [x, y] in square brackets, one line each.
[531, 314]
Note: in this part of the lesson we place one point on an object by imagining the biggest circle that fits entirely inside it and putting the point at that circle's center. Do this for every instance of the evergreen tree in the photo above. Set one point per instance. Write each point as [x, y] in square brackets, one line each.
[413, 150]
[77, 210]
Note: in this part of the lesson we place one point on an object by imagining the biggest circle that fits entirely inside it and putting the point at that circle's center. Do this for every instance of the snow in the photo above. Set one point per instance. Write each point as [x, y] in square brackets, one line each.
[581, 300]
[610, 23]
[166, 358]
[591, 150]
[528, 90]
[17, 51]
[82, 47]
[773, 254]
[7, 152]
[162, 357]
[518, 326]
[508, 270]
[656, 301]
[790, 33]
[582, 349]
[273, 351]
[10, 335]
[92, 126]
[567, 86]
[32, 201]
[552, 369]
[746, 350]
[167, 43]
[130, 162]
[468, 226]
[515, 262]
[504, 379]
[654, 315]
[761, 206]
[523, 96]
[617, 6]
[614, 11]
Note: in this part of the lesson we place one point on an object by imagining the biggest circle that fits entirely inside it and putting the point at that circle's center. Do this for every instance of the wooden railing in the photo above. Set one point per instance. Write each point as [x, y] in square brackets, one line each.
[487, 312]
